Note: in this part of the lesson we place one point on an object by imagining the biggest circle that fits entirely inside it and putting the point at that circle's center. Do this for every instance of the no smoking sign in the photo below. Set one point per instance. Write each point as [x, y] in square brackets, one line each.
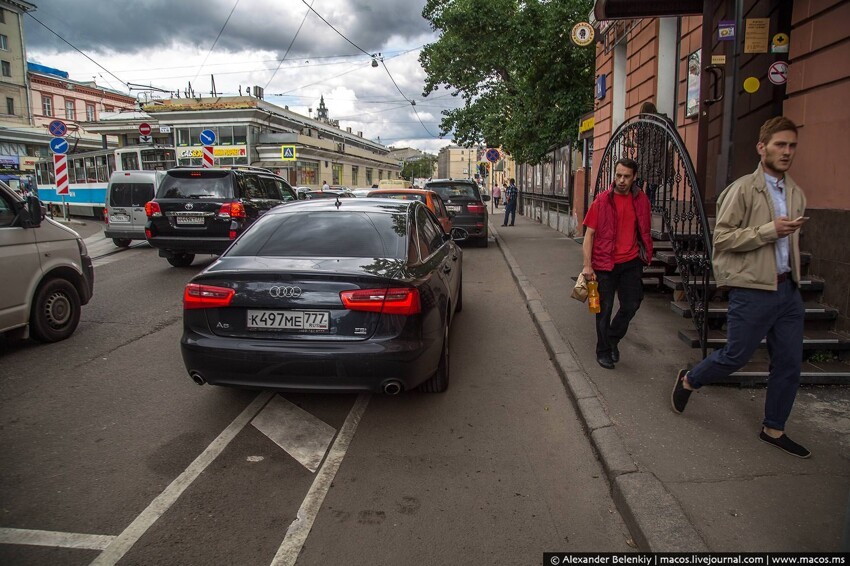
[778, 73]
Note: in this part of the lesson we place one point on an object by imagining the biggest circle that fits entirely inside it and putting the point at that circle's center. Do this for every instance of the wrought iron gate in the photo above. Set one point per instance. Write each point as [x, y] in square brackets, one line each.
[667, 175]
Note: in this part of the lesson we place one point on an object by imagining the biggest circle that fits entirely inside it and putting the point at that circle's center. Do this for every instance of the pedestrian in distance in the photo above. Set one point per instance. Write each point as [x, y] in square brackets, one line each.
[325, 186]
[617, 244]
[511, 197]
[497, 194]
[757, 257]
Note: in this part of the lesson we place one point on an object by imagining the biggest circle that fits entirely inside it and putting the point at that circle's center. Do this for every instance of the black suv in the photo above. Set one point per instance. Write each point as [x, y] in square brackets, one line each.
[201, 211]
[463, 197]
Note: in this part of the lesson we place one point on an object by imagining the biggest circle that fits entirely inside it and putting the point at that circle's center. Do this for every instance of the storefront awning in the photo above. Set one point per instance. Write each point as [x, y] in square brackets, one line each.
[629, 9]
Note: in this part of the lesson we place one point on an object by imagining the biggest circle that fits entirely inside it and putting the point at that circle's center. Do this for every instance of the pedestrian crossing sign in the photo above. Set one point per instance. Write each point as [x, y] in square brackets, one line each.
[287, 153]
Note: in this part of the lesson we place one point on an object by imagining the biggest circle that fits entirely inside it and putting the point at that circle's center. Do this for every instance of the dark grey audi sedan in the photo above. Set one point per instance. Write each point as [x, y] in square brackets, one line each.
[328, 295]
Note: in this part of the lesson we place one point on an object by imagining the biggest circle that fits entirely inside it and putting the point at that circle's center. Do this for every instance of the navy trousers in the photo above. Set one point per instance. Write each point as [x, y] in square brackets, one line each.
[510, 210]
[753, 315]
[624, 281]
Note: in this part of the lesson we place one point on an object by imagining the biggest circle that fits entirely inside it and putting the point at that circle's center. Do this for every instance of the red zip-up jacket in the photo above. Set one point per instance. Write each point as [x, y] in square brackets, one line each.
[605, 237]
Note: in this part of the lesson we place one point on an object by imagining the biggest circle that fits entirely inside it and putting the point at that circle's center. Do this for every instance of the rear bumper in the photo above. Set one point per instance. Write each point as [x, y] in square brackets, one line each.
[185, 245]
[309, 365]
[125, 233]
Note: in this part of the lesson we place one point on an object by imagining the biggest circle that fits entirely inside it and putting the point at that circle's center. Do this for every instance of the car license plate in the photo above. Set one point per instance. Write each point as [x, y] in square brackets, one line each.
[288, 320]
[453, 208]
[189, 219]
[119, 218]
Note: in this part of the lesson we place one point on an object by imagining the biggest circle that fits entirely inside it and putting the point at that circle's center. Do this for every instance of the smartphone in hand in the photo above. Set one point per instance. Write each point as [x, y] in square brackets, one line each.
[801, 218]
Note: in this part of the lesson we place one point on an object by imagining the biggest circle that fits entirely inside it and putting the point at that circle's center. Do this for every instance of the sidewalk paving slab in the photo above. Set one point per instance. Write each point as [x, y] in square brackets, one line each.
[691, 482]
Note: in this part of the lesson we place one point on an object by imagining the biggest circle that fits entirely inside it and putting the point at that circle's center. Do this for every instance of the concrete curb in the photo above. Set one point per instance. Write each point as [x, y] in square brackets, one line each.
[655, 519]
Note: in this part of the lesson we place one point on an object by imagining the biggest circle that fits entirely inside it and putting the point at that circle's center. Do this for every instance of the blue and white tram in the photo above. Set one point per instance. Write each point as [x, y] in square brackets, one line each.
[89, 172]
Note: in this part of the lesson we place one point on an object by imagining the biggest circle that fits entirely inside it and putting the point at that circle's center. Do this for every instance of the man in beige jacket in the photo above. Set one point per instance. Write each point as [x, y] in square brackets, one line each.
[757, 256]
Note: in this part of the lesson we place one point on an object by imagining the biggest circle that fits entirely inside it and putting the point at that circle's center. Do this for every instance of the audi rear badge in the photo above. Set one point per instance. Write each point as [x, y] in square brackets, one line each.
[285, 292]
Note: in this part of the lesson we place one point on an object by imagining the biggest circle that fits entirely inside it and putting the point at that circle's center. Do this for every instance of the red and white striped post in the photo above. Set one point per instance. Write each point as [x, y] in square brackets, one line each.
[60, 170]
[208, 157]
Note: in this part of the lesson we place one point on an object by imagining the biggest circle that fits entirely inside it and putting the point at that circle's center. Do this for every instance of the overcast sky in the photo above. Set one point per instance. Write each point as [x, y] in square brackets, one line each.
[167, 44]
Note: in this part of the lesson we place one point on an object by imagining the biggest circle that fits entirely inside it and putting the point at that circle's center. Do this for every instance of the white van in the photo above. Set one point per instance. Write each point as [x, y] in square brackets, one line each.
[126, 195]
[46, 274]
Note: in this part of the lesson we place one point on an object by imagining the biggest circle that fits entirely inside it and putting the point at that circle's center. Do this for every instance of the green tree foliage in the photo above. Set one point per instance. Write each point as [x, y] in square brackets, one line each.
[523, 82]
[418, 168]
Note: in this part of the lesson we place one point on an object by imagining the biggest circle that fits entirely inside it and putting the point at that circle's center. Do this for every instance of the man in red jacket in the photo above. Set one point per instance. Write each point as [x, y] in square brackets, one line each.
[617, 243]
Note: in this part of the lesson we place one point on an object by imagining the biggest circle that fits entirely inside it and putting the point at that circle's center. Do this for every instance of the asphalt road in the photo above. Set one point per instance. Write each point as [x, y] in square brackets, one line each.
[111, 454]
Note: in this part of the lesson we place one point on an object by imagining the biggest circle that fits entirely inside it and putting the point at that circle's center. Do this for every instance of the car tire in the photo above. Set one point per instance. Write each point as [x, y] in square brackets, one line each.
[55, 311]
[182, 260]
[459, 301]
[440, 381]
[122, 242]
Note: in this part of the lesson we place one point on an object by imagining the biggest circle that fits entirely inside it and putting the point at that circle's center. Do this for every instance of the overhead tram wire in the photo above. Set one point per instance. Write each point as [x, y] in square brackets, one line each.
[291, 43]
[412, 103]
[216, 40]
[74, 47]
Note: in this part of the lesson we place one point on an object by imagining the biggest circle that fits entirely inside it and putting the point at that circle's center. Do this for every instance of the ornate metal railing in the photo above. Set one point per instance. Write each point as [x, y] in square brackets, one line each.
[667, 175]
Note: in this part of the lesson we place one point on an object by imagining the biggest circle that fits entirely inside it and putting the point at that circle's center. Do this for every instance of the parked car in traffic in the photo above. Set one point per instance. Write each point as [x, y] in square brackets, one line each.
[361, 192]
[463, 198]
[320, 194]
[202, 211]
[46, 274]
[126, 196]
[394, 184]
[431, 199]
[348, 295]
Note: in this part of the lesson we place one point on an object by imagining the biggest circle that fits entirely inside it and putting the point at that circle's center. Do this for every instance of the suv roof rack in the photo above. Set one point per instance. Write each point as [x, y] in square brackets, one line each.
[248, 168]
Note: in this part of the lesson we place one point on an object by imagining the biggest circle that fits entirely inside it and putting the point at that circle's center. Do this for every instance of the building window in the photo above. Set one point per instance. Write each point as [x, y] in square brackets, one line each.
[307, 172]
[4, 42]
[355, 176]
[10, 106]
[2, 16]
[70, 112]
[6, 68]
[336, 174]
[108, 109]
[90, 112]
[369, 176]
[47, 105]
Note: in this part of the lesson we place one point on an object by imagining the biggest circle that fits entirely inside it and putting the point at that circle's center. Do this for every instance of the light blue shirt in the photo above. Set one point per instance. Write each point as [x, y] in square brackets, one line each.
[776, 187]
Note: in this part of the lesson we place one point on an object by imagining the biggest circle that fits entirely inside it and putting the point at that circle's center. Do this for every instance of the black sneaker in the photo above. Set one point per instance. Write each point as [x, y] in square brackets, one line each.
[615, 353]
[679, 397]
[605, 361]
[786, 444]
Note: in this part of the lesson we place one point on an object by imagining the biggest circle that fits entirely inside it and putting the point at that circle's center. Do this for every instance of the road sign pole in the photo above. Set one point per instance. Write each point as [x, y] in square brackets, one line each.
[64, 210]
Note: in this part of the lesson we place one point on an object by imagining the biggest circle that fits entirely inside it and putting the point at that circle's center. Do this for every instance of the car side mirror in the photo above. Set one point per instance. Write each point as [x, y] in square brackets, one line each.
[459, 234]
[33, 213]
[485, 198]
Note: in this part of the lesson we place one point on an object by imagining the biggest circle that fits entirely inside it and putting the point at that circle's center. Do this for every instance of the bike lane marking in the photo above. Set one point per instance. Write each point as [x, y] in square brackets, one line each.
[125, 541]
[296, 534]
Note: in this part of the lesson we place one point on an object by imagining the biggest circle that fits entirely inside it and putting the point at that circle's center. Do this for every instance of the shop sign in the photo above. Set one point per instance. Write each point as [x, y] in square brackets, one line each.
[586, 125]
[218, 151]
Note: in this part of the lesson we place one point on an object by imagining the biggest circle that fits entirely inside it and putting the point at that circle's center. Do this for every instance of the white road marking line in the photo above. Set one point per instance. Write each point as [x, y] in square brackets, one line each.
[125, 541]
[296, 534]
[302, 435]
[55, 539]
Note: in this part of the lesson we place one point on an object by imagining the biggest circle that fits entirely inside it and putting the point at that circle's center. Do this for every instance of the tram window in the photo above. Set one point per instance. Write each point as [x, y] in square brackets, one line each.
[102, 173]
[110, 163]
[225, 135]
[158, 159]
[129, 161]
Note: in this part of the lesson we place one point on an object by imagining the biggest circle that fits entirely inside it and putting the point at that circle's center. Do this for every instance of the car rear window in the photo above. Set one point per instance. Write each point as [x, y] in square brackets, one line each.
[196, 184]
[401, 196]
[325, 234]
[454, 190]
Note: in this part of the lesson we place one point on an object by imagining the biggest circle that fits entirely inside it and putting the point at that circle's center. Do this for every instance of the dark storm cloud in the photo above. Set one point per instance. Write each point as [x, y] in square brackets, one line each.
[98, 26]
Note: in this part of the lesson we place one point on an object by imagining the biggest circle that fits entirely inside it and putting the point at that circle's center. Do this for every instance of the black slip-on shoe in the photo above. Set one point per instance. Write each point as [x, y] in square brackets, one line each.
[786, 444]
[679, 397]
[615, 353]
[605, 361]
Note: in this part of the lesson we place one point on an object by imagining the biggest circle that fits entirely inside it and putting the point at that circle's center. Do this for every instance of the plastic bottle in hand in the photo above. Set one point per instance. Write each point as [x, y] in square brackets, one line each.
[593, 296]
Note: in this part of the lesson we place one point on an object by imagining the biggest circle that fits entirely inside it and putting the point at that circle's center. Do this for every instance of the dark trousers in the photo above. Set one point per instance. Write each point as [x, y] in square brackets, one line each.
[496, 200]
[510, 210]
[624, 281]
[753, 315]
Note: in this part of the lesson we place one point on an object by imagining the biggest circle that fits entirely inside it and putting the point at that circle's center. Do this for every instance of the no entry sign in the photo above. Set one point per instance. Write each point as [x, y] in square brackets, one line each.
[145, 129]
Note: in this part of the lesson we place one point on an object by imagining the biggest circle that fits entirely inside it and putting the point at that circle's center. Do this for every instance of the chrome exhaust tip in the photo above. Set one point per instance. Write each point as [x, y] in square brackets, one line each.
[392, 387]
[197, 377]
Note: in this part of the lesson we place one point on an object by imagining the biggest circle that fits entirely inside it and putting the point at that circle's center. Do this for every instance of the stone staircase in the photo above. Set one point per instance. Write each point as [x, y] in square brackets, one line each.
[826, 352]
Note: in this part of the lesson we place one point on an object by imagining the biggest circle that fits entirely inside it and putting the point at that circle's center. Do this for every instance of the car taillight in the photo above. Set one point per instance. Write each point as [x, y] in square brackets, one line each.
[106, 215]
[197, 296]
[475, 208]
[148, 233]
[152, 209]
[233, 234]
[232, 210]
[389, 301]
